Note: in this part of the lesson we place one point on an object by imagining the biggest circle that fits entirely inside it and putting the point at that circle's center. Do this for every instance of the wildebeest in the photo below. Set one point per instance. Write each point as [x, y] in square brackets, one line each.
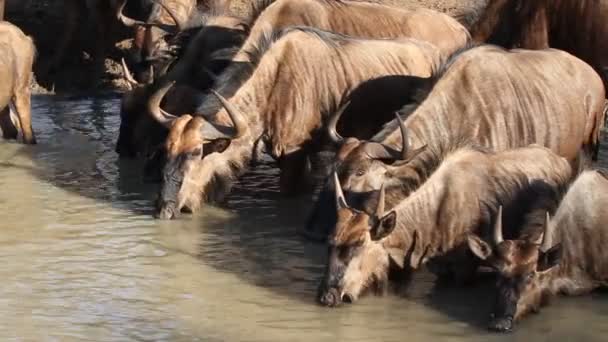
[484, 95]
[16, 75]
[571, 257]
[353, 18]
[363, 19]
[204, 55]
[460, 197]
[576, 26]
[106, 16]
[278, 110]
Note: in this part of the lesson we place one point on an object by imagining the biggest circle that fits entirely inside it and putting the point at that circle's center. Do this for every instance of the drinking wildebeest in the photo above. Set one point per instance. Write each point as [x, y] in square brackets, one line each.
[203, 56]
[432, 223]
[576, 26]
[16, 75]
[570, 258]
[353, 18]
[484, 95]
[278, 110]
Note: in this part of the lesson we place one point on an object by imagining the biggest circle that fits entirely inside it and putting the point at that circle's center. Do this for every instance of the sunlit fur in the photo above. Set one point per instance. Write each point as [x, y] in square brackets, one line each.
[354, 18]
[576, 26]
[18, 53]
[580, 225]
[280, 103]
[461, 196]
[220, 34]
[494, 98]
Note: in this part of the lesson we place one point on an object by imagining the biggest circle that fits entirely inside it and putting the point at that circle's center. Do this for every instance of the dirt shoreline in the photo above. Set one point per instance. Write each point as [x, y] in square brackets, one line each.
[42, 19]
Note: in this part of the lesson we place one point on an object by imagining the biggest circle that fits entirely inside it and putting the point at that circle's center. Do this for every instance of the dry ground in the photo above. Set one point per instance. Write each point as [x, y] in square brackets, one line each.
[42, 20]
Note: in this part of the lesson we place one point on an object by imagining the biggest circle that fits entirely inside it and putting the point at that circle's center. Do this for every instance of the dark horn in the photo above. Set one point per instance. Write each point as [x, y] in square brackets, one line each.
[332, 130]
[126, 20]
[181, 26]
[211, 74]
[238, 119]
[498, 239]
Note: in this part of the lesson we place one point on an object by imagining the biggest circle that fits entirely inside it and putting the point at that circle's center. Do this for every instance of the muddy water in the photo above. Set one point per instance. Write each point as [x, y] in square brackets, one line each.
[81, 259]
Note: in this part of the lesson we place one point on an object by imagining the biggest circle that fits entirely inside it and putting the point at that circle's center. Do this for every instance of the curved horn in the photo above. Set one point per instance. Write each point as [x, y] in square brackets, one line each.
[377, 150]
[238, 120]
[211, 74]
[181, 25]
[380, 205]
[340, 200]
[150, 75]
[126, 20]
[158, 113]
[332, 131]
[405, 146]
[547, 234]
[127, 73]
[498, 228]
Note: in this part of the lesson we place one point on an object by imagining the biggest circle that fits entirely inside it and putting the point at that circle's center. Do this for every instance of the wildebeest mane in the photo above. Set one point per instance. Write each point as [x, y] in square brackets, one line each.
[423, 87]
[238, 72]
[525, 204]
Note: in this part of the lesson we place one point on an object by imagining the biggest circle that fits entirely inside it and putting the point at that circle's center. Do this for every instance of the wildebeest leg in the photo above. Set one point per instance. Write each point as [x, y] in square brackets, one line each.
[295, 172]
[9, 131]
[23, 109]
[104, 21]
[322, 219]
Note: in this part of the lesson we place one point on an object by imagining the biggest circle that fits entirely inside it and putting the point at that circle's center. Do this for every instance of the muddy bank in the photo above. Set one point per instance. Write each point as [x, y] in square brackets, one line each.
[43, 20]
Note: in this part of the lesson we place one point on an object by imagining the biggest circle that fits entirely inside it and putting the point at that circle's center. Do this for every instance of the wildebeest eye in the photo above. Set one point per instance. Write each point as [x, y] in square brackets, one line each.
[196, 153]
[360, 172]
[346, 252]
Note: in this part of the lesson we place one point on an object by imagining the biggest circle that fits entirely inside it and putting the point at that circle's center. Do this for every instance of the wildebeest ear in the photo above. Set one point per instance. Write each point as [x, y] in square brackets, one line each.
[218, 145]
[550, 258]
[384, 226]
[479, 247]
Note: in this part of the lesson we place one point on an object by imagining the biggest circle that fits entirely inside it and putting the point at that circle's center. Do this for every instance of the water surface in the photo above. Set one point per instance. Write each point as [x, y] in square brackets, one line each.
[82, 259]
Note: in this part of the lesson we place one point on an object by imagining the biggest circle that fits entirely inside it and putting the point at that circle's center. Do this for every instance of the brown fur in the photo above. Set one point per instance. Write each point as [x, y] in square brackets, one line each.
[15, 72]
[137, 128]
[494, 98]
[361, 19]
[576, 26]
[578, 230]
[282, 109]
[460, 197]
[354, 18]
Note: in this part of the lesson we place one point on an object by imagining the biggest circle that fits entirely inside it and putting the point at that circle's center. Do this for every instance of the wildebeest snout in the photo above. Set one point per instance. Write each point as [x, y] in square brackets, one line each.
[166, 210]
[501, 324]
[330, 297]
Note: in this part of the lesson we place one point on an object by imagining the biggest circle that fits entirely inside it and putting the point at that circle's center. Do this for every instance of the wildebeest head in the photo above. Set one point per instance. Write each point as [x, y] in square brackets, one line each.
[357, 259]
[362, 167]
[136, 129]
[522, 266]
[186, 179]
[210, 49]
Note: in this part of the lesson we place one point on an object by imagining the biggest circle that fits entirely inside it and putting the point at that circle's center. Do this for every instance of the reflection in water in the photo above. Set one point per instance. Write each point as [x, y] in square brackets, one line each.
[81, 258]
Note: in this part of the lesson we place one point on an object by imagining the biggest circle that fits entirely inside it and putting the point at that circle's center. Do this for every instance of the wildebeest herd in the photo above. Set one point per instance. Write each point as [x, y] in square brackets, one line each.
[460, 148]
